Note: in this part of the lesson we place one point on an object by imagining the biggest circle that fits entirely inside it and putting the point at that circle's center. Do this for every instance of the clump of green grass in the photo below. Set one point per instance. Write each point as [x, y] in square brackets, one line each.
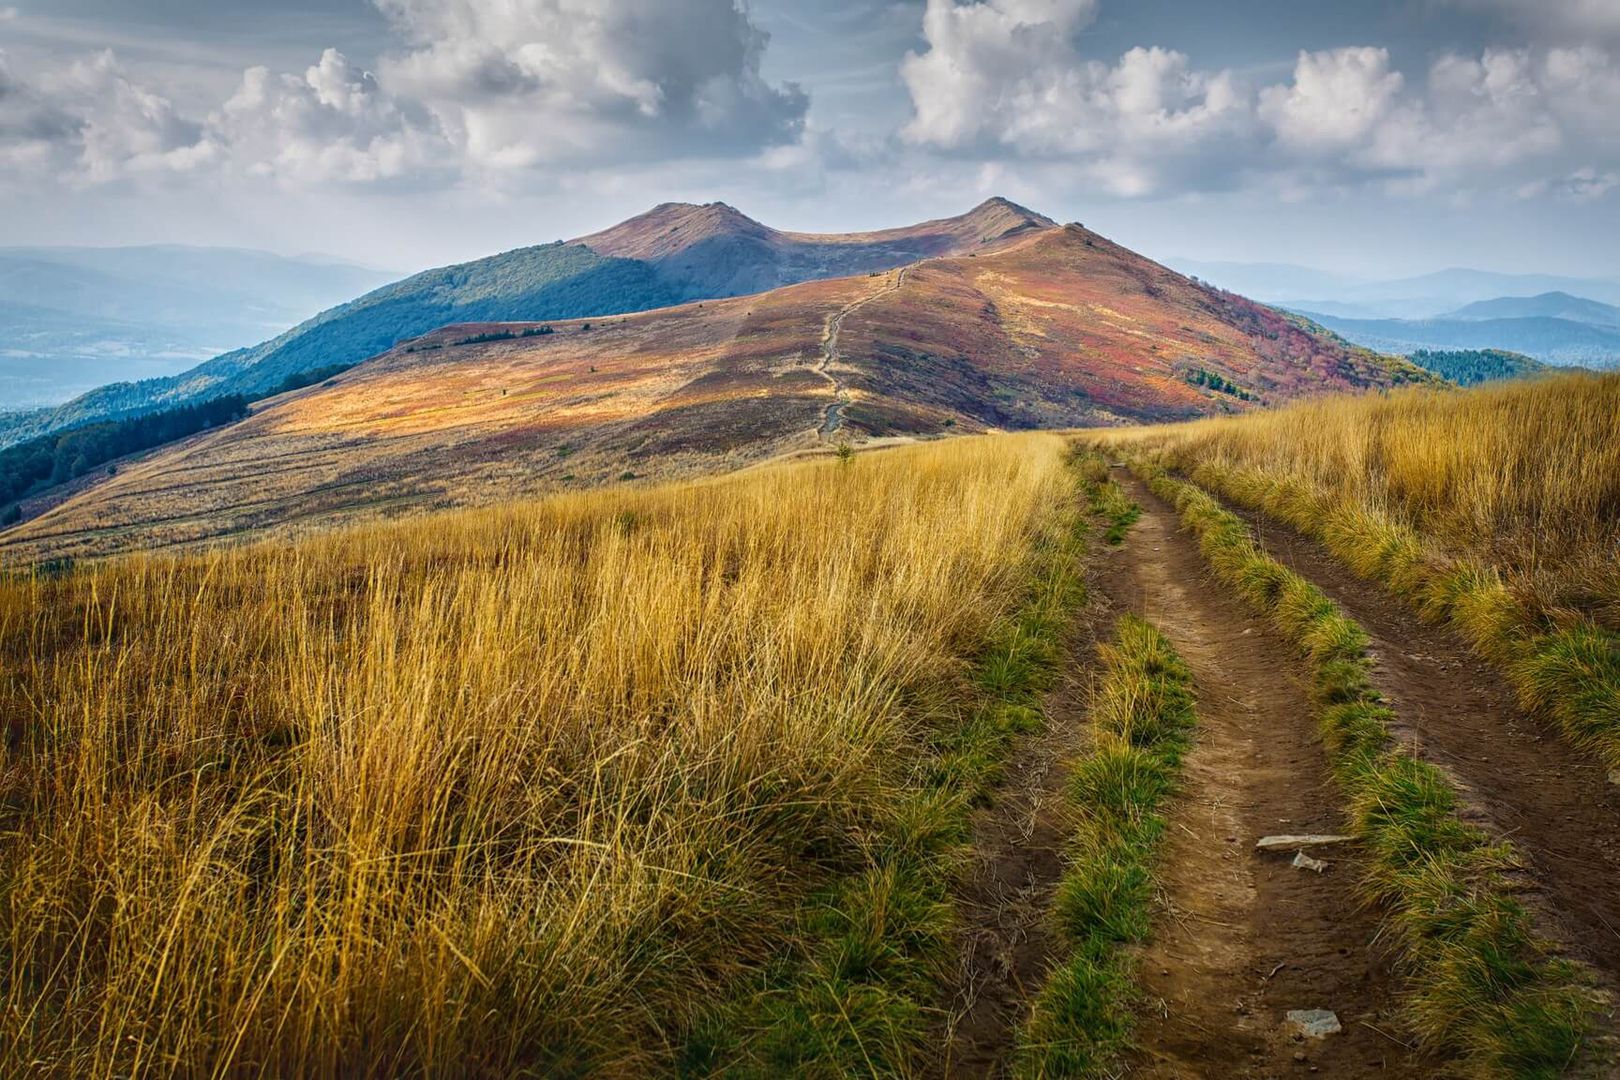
[1143, 717]
[1107, 498]
[1482, 985]
[1573, 675]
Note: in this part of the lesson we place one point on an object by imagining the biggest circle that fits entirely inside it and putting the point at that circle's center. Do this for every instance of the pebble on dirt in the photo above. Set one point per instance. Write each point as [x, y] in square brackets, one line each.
[1315, 1023]
[1295, 843]
[1303, 861]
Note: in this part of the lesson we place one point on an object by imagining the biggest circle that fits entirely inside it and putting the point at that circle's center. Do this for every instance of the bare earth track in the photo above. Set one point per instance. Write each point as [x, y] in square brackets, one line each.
[1006, 898]
[832, 419]
[1241, 938]
[1524, 780]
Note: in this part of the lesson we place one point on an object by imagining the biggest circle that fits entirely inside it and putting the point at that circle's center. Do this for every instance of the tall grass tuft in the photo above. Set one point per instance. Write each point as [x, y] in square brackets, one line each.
[520, 791]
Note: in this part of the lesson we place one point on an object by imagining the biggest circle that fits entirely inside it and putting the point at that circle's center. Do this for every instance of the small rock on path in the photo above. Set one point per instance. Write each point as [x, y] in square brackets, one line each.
[1315, 1023]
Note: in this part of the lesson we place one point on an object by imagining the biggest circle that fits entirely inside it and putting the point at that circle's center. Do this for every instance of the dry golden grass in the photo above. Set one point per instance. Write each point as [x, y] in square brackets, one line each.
[1522, 478]
[521, 789]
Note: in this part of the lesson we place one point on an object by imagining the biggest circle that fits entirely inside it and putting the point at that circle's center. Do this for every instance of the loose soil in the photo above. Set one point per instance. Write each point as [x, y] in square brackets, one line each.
[1005, 899]
[1243, 938]
[1522, 780]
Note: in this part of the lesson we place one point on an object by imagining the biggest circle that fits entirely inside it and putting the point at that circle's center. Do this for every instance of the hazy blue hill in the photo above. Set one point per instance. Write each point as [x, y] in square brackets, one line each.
[1553, 305]
[72, 319]
[554, 281]
[210, 288]
[1427, 296]
[1551, 341]
[1470, 367]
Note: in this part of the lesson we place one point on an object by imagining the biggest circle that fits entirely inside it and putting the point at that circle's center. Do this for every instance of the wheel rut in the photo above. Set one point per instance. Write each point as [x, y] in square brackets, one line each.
[1006, 897]
[1240, 939]
[1524, 780]
[832, 417]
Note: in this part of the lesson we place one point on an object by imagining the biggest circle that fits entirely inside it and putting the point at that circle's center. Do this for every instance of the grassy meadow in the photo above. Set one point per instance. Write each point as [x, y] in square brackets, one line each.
[567, 787]
[1521, 477]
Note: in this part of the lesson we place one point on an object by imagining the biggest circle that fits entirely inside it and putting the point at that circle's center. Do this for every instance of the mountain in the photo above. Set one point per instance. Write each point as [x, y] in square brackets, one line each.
[1470, 286]
[1549, 340]
[1427, 296]
[1470, 367]
[1267, 281]
[713, 251]
[1553, 305]
[673, 253]
[72, 319]
[1041, 326]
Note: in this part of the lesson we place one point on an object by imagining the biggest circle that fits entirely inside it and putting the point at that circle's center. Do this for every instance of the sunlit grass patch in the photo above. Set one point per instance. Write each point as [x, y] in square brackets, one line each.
[535, 789]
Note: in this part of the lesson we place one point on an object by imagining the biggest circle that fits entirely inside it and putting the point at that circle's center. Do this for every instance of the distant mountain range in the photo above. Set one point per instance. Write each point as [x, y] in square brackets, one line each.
[1552, 341]
[1553, 328]
[673, 253]
[72, 319]
[1428, 296]
[1555, 320]
[1553, 305]
[998, 319]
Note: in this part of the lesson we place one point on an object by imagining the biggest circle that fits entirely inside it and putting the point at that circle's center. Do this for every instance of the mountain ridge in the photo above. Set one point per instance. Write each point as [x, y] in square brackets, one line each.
[1560, 342]
[1055, 327]
[1553, 305]
[731, 255]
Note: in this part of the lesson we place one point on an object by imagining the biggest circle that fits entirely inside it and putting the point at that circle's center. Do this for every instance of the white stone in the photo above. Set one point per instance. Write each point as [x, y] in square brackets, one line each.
[1303, 861]
[1295, 843]
[1315, 1023]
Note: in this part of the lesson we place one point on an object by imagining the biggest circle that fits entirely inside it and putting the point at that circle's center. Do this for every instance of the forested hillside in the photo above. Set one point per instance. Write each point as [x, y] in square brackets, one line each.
[1470, 367]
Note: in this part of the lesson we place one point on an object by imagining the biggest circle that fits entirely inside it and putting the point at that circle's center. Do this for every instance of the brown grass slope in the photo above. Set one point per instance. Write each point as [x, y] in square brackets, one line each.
[1055, 328]
[715, 251]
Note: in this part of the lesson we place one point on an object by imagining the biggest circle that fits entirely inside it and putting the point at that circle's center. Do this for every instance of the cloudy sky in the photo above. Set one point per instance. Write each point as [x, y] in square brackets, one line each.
[1376, 136]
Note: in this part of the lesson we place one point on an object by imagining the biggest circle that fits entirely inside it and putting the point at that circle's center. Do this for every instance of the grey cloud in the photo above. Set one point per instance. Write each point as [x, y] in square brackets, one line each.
[1006, 77]
[1560, 21]
[480, 88]
[566, 81]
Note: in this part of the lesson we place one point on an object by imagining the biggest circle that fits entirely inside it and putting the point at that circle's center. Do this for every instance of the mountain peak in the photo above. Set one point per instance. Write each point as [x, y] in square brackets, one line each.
[670, 228]
[998, 204]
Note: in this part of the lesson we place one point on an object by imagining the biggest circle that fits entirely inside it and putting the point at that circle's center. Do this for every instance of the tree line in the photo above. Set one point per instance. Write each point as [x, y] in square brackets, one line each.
[61, 456]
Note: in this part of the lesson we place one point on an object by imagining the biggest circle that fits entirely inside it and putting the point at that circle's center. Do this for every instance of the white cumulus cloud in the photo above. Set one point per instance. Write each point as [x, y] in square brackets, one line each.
[334, 123]
[475, 87]
[533, 82]
[1008, 77]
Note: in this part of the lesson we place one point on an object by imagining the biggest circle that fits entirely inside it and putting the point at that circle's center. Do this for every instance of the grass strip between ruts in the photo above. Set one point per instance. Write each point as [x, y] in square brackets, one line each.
[1143, 716]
